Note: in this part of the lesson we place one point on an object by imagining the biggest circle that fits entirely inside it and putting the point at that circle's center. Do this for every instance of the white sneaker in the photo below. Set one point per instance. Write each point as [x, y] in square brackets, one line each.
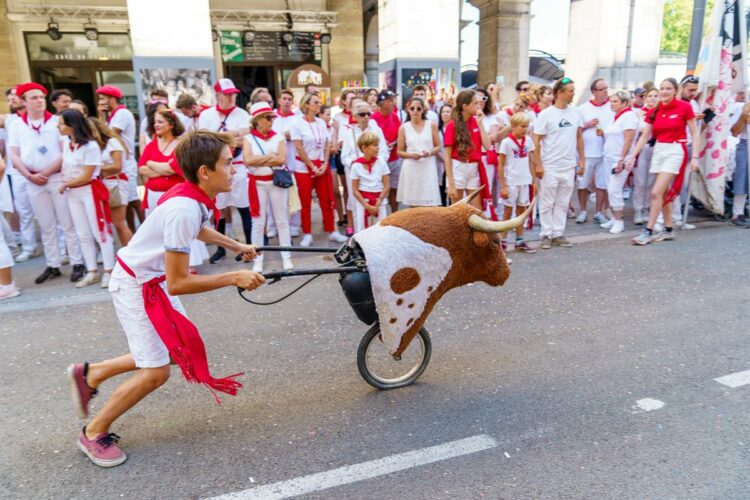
[306, 241]
[337, 237]
[258, 265]
[105, 280]
[294, 232]
[618, 226]
[581, 219]
[639, 218]
[687, 226]
[600, 218]
[658, 227]
[607, 224]
[287, 263]
[9, 291]
[271, 235]
[23, 256]
[90, 278]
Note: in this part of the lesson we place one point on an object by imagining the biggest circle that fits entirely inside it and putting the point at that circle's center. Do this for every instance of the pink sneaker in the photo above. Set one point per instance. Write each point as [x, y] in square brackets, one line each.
[9, 291]
[79, 389]
[103, 449]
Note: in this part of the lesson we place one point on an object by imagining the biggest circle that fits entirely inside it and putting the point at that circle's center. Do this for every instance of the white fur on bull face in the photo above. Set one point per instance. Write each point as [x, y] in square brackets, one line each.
[404, 272]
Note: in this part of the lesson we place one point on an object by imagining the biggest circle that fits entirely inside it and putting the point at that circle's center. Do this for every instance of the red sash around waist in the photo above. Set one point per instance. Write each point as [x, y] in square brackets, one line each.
[181, 337]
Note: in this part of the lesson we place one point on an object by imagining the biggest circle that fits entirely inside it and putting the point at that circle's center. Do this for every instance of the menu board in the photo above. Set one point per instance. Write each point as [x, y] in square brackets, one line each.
[270, 46]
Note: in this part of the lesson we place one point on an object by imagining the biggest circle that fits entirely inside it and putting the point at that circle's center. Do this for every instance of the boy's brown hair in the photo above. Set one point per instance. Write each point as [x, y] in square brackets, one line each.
[198, 148]
[368, 139]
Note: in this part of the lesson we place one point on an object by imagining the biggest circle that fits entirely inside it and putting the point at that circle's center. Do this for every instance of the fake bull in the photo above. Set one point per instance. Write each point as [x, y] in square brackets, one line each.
[415, 256]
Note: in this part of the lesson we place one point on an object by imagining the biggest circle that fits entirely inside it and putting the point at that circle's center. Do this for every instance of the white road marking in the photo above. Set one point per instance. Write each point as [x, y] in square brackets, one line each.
[649, 404]
[365, 470]
[735, 379]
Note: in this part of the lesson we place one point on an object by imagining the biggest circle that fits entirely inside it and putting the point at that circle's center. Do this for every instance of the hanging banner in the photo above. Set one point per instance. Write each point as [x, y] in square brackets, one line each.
[722, 69]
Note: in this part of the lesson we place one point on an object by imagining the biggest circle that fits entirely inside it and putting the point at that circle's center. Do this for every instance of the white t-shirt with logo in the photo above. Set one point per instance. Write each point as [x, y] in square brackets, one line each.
[314, 136]
[614, 135]
[38, 149]
[559, 128]
[593, 144]
[74, 159]
[211, 119]
[517, 171]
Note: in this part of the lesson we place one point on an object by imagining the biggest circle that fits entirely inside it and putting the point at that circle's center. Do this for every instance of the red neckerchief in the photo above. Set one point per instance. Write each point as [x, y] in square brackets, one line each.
[646, 110]
[226, 113]
[598, 105]
[367, 163]
[284, 115]
[114, 112]
[508, 111]
[265, 137]
[37, 129]
[521, 145]
[620, 113]
[535, 107]
[189, 190]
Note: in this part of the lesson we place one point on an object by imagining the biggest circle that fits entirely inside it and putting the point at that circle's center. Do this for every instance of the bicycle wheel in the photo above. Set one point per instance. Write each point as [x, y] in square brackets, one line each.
[382, 371]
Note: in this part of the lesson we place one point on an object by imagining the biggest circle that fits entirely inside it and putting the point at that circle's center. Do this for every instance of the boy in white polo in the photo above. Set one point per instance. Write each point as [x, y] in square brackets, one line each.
[227, 117]
[151, 271]
[370, 183]
[557, 139]
[35, 147]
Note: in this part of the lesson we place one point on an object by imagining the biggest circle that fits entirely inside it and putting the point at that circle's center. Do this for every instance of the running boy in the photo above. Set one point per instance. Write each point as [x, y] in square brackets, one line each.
[370, 182]
[150, 272]
[516, 175]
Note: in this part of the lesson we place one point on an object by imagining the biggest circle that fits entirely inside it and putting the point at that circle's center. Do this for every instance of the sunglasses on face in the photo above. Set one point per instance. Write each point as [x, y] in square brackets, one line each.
[482, 98]
[365, 113]
[524, 89]
[690, 79]
[415, 109]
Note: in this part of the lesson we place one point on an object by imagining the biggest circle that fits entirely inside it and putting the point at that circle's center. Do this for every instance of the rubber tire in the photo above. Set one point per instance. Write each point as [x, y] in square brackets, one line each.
[371, 334]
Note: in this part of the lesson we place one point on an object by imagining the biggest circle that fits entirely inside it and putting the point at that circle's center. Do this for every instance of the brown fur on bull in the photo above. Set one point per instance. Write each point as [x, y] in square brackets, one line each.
[476, 255]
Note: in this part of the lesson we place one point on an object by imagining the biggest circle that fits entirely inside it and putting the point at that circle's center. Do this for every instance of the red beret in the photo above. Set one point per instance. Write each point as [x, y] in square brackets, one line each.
[25, 87]
[110, 91]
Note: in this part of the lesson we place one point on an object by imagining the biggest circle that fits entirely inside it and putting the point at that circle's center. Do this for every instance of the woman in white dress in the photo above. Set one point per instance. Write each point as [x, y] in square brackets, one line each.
[418, 143]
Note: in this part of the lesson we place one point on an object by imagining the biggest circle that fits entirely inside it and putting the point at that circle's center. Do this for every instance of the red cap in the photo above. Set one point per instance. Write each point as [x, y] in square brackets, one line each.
[25, 87]
[226, 86]
[110, 91]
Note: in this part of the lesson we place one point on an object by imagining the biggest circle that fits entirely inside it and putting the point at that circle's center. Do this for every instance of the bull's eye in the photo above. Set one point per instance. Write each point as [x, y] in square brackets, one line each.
[495, 239]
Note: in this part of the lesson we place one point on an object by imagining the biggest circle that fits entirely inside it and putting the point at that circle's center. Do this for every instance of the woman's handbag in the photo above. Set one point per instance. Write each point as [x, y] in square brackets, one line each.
[115, 198]
[294, 204]
[282, 178]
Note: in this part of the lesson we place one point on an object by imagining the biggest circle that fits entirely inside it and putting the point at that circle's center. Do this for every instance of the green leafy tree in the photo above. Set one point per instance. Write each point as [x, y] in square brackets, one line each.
[678, 18]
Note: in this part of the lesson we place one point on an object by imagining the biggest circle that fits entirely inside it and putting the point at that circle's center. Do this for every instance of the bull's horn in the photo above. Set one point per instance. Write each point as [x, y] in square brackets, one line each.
[467, 200]
[483, 225]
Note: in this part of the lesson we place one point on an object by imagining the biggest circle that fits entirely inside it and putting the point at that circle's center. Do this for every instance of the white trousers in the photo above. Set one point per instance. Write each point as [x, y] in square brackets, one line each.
[83, 214]
[22, 206]
[6, 259]
[554, 197]
[615, 185]
[278, 199]
[643, 181]
[51, 208]
[360, 213]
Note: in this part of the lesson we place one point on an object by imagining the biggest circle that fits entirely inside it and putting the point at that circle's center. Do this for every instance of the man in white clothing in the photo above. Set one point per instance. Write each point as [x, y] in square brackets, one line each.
[597, 115]
[188, 111]
[36, 152]
[285, 118]
[558, 136]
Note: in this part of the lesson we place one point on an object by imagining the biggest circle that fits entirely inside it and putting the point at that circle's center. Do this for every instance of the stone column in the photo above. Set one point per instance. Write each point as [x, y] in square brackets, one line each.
[503, 42]
[11, 74]
[617, 40]
[346, 53]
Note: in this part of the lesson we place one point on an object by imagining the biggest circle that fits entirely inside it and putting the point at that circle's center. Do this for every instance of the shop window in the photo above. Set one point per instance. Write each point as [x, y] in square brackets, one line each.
[75, 47]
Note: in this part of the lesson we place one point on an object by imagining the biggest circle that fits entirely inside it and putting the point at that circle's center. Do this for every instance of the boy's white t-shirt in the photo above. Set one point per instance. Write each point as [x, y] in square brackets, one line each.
[593, 144]
[614, 137]
[75, 159]
[172, 227]
[560, 130]
[38, 150]
[370, 182]
[517, 171]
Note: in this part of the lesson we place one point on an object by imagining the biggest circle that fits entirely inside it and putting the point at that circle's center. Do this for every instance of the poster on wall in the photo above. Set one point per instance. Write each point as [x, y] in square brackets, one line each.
[388, 80]
[440, 80]
[196, 82]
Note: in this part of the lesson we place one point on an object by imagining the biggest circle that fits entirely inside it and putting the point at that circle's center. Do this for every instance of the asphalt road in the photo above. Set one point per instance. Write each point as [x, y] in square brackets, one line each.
[589, 375]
